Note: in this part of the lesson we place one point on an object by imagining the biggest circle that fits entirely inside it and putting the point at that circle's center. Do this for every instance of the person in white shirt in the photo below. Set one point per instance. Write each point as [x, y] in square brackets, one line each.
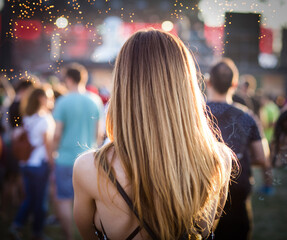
[40, 126]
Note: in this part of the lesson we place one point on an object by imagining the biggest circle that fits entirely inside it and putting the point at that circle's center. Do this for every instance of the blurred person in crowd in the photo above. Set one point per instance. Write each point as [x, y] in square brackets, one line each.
[102, 125]
[77, 117]
[13, 186]
[281, 102]
[1, 160]
[104, 95]
[21, 87]
[269, 113]
[2, 168]
[245, 93]
[92, 88]
[279, 142]
[102, 92]
[7, 94]
[164, 175]
[59, 90]
[39, 124]
[240, 132]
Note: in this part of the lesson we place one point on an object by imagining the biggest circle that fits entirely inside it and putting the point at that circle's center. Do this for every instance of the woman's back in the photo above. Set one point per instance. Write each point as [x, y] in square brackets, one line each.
[166, 155]
[111, 209]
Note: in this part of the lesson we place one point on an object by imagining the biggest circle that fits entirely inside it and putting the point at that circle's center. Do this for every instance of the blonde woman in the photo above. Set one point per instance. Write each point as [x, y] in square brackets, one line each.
[163, 175]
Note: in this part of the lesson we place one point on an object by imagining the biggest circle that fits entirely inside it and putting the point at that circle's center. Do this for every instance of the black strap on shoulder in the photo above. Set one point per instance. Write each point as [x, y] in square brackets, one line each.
[104, 232]
[134, 233]
[129, 203]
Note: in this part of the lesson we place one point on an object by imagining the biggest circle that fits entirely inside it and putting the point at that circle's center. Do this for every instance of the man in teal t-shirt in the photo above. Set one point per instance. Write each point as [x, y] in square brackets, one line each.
[77, 117]
[79, 114]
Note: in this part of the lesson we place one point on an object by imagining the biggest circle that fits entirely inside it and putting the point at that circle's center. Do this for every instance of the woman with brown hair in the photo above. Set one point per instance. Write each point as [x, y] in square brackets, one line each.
[163, 175]
[39, 125]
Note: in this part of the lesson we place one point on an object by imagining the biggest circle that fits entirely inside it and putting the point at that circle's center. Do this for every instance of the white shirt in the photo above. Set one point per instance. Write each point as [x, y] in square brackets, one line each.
[36, 126]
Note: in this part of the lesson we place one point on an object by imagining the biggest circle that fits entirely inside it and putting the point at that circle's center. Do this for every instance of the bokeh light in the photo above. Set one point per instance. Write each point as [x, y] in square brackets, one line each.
[167, 26]
[62, 22]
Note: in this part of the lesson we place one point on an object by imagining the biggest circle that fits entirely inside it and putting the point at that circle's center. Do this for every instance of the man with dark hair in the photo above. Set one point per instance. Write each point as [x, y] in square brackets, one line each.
[77, 73]
[240, 132]
[77, 116]
[223, 76]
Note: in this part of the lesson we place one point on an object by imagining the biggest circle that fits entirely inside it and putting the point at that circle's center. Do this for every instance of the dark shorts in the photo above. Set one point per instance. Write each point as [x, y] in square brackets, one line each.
[64, 183]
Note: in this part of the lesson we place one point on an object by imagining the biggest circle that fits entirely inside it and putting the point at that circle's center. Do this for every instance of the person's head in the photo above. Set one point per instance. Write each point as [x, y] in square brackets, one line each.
[24, 83]
[248, 83]
[157, 124]
[223, 76]
[75, 74]
[37, 98]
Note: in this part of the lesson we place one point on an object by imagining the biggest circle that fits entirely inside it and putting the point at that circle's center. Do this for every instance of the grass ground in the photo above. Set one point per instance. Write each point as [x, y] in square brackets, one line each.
[270, 213]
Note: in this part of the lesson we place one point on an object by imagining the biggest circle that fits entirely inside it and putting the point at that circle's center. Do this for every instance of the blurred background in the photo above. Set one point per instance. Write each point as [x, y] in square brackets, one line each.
[39, 37]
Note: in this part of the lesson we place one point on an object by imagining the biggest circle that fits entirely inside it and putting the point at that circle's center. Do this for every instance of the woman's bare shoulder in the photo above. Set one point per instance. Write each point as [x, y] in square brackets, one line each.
[84, 170]
[85, 161]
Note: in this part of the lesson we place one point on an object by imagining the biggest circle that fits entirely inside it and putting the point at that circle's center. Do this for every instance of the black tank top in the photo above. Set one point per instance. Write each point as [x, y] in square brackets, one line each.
[102, 234]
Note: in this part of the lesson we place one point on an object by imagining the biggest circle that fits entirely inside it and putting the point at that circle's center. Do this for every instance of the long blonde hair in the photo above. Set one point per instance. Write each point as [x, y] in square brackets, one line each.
[158, 127]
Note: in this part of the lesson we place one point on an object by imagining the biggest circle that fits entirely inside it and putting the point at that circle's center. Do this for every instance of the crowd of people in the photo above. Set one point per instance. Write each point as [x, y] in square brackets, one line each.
[58, 132]
[160, 162]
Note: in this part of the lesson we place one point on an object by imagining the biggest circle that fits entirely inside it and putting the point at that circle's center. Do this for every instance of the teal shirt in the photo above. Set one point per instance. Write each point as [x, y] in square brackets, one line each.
[79, 114]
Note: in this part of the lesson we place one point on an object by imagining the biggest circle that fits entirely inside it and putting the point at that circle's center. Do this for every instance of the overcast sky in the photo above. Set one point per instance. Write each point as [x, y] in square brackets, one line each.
[274, 12]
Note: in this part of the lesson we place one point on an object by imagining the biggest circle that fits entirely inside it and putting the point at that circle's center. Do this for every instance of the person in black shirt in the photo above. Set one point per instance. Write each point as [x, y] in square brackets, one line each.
[240, 132]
